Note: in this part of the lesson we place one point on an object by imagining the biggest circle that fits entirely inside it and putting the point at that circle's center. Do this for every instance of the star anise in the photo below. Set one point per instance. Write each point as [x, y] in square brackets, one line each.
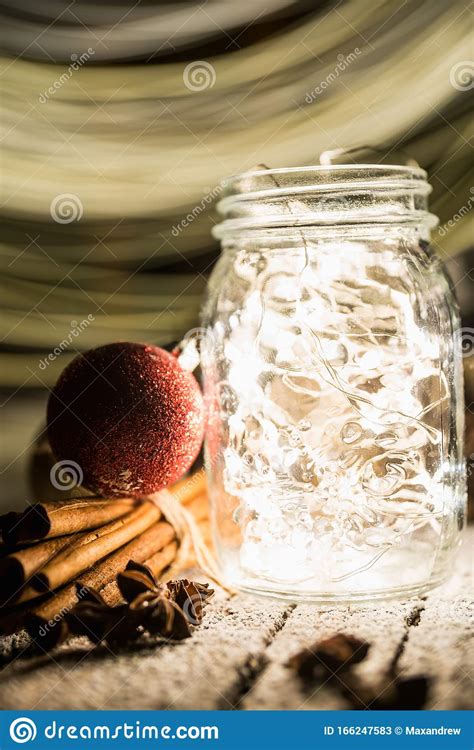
[326, 658]
[331, 661]
[93, 617]
[166, 609]
[161, 616]
[190, 596]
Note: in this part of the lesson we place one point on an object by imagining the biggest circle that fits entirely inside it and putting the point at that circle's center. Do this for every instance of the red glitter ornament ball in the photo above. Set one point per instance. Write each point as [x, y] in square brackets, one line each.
[129, 416]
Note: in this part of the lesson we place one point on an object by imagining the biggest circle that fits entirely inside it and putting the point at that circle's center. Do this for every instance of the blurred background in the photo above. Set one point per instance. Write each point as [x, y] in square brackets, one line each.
[121, 119]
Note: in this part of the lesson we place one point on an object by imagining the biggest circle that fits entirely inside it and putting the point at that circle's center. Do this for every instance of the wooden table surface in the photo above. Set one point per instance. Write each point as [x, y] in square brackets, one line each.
[236, 659]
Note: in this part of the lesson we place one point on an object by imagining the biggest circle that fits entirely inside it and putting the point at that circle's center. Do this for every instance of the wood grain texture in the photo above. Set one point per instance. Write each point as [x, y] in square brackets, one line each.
[236, 659]
[442, 645]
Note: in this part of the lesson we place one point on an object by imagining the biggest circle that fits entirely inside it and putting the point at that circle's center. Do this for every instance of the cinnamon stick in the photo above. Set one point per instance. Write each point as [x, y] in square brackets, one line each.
[6, 519]
[199, 507]
[52, 519]
[45, 520]
[139, 549]
[187, 489]
[28, 594]
[93, 546]
[44, 618]
[17, 567]
[154, 545]
[160, 560]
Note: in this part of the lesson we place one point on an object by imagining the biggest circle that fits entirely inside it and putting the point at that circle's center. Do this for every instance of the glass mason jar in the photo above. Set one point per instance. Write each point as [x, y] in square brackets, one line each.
[333, 382]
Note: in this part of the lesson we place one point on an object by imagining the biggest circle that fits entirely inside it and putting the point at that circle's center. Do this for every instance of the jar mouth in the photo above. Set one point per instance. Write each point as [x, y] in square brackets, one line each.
[322, 195]
[335, 173]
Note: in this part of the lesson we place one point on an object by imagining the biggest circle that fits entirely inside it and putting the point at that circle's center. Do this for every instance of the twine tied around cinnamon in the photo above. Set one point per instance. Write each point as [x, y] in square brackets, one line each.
[189, 536]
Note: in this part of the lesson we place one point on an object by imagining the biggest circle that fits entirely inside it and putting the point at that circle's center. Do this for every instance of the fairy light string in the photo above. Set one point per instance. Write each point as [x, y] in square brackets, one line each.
[332, 444]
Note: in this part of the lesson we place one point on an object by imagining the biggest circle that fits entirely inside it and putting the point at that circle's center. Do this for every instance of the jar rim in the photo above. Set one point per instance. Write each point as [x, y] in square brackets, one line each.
[333, 168]
[317, 178]
[321, 195]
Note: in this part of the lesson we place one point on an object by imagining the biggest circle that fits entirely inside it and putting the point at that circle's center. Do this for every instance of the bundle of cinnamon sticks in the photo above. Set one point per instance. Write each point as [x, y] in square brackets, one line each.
[52, 547]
